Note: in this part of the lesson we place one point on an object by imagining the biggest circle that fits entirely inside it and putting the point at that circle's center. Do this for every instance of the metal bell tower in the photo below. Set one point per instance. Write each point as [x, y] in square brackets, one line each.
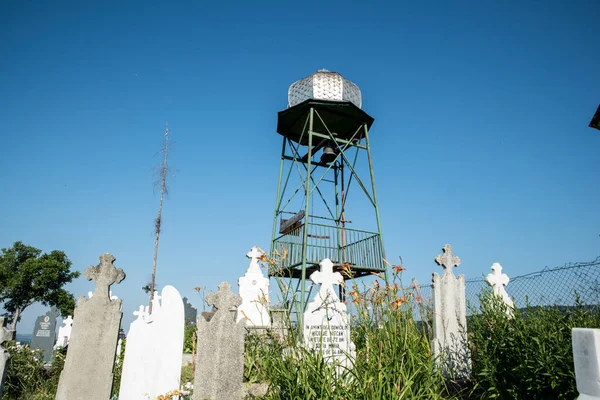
[325, 178]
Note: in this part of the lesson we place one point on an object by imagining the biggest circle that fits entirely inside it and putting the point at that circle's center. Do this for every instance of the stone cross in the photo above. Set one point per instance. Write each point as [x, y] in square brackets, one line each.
[68, 321]
[220, 356]
[88, 369]
[255, 254]
[223, 300]
[5, 335]
[450, 320]
[104, 275]
[497, 280]
[447, 259]
[327, 278]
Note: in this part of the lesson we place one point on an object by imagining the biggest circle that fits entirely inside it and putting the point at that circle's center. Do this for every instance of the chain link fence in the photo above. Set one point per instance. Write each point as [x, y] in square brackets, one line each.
[560, 286]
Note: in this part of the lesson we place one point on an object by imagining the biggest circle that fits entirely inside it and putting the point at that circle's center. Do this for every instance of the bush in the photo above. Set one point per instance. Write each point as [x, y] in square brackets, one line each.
[26, 376]
[393, 355]
[526, 356]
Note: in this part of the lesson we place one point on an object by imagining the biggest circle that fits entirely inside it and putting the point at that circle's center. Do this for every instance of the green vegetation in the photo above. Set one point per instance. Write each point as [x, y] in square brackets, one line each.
[529, 355]
[26, 376]
[28, 276]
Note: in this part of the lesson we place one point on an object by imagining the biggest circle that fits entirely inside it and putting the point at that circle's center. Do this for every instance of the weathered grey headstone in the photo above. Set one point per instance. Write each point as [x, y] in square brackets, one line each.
[326, 325]
[450, 318]
[191, 314]
[44, 333]
[254, 290]
[586, 357]
[5, 335]
[88, 370]
[498, 281]
[220, 359]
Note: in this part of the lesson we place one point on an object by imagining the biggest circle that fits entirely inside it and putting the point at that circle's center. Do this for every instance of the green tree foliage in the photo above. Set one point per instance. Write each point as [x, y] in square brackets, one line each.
[27, 276]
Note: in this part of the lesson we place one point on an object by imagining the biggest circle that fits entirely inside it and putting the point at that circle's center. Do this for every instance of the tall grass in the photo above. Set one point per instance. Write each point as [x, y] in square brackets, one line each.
[393, 354]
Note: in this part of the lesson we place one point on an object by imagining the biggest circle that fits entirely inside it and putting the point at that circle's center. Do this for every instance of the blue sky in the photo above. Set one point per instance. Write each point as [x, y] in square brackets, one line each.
[480, 137]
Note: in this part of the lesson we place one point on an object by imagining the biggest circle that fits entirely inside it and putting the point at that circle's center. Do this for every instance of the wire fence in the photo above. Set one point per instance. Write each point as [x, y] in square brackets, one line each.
[560, 286]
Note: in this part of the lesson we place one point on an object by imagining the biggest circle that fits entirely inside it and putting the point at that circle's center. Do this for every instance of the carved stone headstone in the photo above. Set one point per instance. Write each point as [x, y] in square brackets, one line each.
[5, 335]
[190, 312]
[88, 369]
[64, 333]
[326, 325]
[154, 350]
[586, 357]
[450, 317]
[220, 358]
[44, 333]
[498, 281]
[254, 290]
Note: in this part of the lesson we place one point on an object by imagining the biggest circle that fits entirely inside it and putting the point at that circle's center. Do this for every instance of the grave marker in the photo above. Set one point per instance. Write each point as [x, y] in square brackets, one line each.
[254, 290]
[326, 327]
[64, 333]
[44, 334]
[498, 281]
[586, 357]
[220, 356]
[5, 335]
[88, 369]
[450, 317]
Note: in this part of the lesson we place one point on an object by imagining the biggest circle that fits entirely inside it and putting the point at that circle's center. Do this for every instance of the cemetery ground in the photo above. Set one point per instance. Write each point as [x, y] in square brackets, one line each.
[526, 353]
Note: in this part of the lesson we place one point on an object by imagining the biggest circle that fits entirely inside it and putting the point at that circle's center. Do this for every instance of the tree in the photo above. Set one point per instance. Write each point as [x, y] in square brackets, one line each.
[28, 276]
[162, 182]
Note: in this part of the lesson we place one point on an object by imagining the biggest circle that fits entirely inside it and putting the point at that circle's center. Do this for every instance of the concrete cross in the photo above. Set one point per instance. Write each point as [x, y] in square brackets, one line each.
[327, 278]
[497, 280]
[5, 334]
[255, 254]
[223, 300]
[447, 259]
[140, 313]
[104, 275]
[53, 313]
[68, 321]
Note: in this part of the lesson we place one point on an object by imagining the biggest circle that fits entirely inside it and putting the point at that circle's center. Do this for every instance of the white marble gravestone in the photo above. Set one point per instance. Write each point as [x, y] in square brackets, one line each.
[254, 290]
[586, 357]
[64, 333]
[326, 323]
[450, 345]
[154, 349]
[498, 281]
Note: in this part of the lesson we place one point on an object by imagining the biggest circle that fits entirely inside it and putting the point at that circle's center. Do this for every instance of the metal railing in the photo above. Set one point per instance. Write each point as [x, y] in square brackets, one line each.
[361, 249]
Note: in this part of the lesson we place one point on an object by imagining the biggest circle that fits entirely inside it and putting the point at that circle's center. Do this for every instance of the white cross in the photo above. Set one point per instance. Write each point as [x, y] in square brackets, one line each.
[327, 278]
[68, 321]
[140, 313]
[255, 254]
[497, 280]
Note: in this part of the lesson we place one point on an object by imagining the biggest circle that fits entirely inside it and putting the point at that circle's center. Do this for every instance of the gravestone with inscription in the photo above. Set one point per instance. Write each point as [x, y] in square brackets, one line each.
[450, 318]
[5, 335]
[44, 333]
[254, 290]
[220, 356]
[326, 325]
[88, 369]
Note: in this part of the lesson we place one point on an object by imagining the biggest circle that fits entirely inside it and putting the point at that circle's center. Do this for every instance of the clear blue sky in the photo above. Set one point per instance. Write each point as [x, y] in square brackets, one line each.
[480, 137]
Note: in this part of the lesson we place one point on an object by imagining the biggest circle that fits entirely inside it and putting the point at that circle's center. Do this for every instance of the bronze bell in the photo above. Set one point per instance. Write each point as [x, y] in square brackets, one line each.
[329, 154]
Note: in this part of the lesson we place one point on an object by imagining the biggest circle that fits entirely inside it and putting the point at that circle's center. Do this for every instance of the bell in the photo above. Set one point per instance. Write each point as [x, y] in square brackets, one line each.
[328, 155]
